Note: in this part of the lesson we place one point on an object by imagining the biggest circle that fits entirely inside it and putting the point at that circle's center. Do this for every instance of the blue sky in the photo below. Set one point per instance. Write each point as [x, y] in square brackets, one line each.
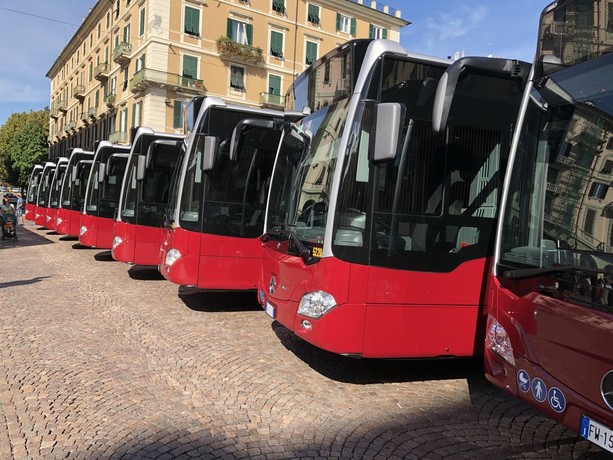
[33, 32]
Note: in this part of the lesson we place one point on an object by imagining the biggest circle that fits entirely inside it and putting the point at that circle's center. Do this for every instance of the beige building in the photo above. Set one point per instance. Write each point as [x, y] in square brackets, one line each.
[135, 62]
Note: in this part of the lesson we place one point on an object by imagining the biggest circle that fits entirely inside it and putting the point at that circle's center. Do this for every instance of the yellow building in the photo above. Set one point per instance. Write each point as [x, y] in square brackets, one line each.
[134, 62]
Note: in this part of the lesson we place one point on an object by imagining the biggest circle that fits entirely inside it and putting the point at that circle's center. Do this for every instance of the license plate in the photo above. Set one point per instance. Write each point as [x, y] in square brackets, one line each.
[597, 433]
[270, 309]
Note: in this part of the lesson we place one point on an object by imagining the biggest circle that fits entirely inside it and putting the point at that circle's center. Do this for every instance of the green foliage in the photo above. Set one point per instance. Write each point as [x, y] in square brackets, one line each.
[23, 143]
[228, 46]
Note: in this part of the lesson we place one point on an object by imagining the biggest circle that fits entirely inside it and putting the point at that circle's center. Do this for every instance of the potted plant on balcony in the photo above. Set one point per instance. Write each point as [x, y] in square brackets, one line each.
[228, 46]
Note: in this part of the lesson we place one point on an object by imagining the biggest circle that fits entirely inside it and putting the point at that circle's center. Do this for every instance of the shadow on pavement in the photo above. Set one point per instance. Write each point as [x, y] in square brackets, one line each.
[23, 282]
[104, 256]
[81, 246]
[68, 238]
[144, 273]
[368, 371]
[25, 237]
[217, 301]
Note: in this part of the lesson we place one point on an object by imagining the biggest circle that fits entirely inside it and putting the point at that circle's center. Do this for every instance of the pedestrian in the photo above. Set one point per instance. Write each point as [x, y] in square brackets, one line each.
[20, 210]
[7, 208]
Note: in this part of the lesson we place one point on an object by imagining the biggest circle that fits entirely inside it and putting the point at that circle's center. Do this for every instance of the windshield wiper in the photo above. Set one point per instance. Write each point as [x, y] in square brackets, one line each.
[286, 231]
[520, 273]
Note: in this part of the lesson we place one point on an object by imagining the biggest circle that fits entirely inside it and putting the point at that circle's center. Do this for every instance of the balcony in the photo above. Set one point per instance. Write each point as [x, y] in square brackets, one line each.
[83, 117]
[59, 133]
[110, 100]
[54, 113]
[61, 106]
[146, 78]
[70, 126]
[118, 136]
[91, 112]
[121, 53]
[79, 92]
[272, 101]
[101, 72]
[230, 49]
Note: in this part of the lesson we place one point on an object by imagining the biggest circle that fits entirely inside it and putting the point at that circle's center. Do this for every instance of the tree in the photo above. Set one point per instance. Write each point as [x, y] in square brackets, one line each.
[23, 143]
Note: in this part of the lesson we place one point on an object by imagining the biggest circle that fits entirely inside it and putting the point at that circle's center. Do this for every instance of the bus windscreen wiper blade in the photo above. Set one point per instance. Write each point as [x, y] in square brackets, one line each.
[537, 271]
[287, 231]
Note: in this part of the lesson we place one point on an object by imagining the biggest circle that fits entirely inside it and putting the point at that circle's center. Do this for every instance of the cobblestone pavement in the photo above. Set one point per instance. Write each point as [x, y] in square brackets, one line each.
[102, 360]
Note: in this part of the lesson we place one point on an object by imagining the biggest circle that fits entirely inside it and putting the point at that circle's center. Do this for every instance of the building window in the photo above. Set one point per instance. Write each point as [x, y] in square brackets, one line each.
[99, 30]
[278, 6]
[140, 63]
[598, 190]
[190, 66]
[117, 2]
[607, 167]
[311, 53]
[276, 44]
[345, 24]
[588, 225]
[240, 32]
[177, 115]
[274, 89]
[137, 110]
[377, 32]
[192, 21]
[126, 33]
[90, 71]
[237, 78]
[313, 14]
[141, 22]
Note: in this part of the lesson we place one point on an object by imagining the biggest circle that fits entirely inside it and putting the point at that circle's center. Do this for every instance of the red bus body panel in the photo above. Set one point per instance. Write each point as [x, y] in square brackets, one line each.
[140, 244]
[566, 345]
[50, 219]
[380, 313]
[212, 261]
[99, 233]
[62, 225]
[41, 216]
[31, 210]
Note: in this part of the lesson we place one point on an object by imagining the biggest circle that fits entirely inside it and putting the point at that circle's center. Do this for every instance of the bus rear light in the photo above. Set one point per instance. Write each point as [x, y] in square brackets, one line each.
[171, 257]
[82, 230]
[117, 241]
[499, 342]
[316, 304]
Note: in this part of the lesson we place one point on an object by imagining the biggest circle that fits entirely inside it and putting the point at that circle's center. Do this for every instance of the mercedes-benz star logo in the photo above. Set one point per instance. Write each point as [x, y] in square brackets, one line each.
[271, 286]
[606, 387]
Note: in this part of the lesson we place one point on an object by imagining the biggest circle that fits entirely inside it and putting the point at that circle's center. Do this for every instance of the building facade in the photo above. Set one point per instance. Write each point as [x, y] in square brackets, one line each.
[136, 62]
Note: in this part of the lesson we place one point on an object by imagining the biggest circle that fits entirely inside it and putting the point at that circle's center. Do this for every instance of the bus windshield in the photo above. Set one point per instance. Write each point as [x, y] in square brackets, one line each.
[32, 193]
[230, 199]
[56, 187]
[560, 209]
[45, 185]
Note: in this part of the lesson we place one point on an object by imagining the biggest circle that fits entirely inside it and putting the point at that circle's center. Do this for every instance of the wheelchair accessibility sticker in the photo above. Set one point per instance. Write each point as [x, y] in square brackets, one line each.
[556, 398]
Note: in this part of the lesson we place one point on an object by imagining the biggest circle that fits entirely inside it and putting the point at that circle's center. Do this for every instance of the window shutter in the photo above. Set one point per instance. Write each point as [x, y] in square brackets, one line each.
[177, 115]
[229, 29]
[338, 22]
[274, 85]
[353, 26]
[190, 66]
[385, 33]
[249, 28]
[371, 30]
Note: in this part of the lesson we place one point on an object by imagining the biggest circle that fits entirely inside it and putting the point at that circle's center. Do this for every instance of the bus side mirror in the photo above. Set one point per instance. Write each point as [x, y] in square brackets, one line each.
[389, 118]
[141, 166]
[241, 130]
[101, 172]
[206, 147]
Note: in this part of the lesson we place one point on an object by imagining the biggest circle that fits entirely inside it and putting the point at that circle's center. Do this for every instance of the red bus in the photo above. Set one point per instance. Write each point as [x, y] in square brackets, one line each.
[212, 236]
[144, 196]
[378, 230]
[54, 193]
[42, 199]
[72, 195]
[32, 193]
[550, 314]
[102, 195]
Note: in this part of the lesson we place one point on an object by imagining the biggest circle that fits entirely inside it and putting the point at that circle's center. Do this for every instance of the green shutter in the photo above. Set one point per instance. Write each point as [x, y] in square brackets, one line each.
[385, 33]
[192, 21]
[229, 29]
[338, 22]
[353, 26]
[276, 43]
[274, 85]
[141, 26]
[249, 28]
[190, 67]
[313, 14]
[177, 116]
[371, 31]
[311, 52]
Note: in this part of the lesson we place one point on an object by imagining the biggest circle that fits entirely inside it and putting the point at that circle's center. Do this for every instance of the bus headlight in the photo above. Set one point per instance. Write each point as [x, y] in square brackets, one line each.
[82, 230]
[499, 342]
[171, 257]
[316, 304]
[117, 241]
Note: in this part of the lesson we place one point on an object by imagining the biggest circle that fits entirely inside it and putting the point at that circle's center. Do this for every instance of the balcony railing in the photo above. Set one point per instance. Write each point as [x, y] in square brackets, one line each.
[145, 78]
[110, 100]
[118, 136]
[101, 72]
[91, 112]
[271, 100]
[83, 117]
[229, 48]
[54, 113]
[79, 92]
[61, 105]
[70, 126]
[121, 53]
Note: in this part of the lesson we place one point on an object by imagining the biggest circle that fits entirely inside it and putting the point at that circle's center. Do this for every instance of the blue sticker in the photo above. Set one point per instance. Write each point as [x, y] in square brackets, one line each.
[523, 381]
[556, 398]
[539, 390]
